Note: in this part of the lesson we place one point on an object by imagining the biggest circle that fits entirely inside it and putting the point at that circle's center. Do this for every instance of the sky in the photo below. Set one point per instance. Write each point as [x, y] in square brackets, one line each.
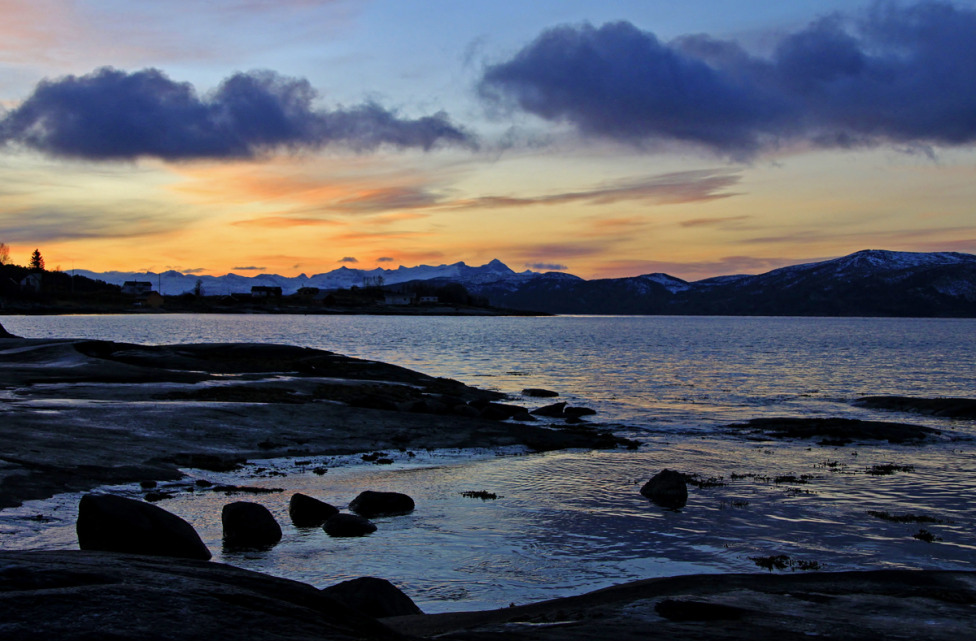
[606, 139]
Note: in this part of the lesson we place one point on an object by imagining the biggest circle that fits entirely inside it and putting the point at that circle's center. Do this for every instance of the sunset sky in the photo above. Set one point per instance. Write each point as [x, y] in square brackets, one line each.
[606, 138]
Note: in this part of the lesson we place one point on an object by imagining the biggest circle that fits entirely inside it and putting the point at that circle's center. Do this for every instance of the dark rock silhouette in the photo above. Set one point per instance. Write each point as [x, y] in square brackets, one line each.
[576, 412]
[249, 525]
[946, 407]
[667, 489]
[348, 525]
[117, 524]
[556, 410]
[538, 392]
[370, 504]
[306, 511]
[373, 597]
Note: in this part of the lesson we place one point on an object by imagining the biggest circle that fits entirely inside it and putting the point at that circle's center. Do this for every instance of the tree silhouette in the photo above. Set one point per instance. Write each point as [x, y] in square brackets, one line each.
[4, 254]
[37, 261]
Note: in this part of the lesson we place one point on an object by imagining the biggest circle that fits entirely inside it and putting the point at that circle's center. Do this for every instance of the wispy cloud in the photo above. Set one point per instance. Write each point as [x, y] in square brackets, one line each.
[348, 259]
[549, 267]
[895, 74]
[114, 115]
[672, 188]
[48, 224]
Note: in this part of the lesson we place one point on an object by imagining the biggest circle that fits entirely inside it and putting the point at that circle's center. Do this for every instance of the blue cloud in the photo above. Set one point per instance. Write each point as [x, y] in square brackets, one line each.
[895, 74]
[115, 115]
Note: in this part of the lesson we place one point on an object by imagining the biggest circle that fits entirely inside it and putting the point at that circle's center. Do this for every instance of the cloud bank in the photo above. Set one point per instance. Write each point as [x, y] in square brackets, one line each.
[114, 115]
[903, 75]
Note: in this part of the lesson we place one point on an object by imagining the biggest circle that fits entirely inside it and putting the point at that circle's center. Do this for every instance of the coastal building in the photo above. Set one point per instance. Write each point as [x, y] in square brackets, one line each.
[140, 288]
[398, 299]
[263, 291]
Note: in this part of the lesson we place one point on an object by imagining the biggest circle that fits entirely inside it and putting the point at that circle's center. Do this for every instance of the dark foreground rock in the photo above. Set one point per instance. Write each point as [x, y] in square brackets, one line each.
[837, 431]
[117, 524]
[947, 407]
[373, 597]
[76, 595]
[249, 525]
[667, 488]
[371, 504]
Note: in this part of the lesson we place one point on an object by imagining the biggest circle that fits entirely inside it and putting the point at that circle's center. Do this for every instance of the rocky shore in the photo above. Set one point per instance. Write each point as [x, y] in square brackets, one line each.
[99, 595]
[77, 414]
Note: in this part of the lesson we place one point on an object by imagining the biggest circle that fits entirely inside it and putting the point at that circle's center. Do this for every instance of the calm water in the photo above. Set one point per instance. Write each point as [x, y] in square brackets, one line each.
[568, 522]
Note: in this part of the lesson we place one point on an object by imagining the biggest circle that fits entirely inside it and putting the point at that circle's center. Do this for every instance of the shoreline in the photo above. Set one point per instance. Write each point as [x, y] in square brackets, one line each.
[77, 414]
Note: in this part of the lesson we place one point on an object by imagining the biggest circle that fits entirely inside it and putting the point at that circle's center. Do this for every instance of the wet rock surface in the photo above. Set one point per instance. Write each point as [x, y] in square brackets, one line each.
[837, 431]
[129, 413]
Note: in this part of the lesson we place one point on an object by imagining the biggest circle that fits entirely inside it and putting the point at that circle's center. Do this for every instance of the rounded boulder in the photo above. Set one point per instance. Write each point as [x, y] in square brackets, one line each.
[110, 523]
[249, 525]
[371, 504]
[667, 489]
[306, 511]
[348, 525]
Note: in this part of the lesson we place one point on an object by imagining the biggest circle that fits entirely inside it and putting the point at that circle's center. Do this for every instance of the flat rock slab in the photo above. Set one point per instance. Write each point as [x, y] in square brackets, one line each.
[947, 407]
[892, 604]
[76, 414]
[837, 431]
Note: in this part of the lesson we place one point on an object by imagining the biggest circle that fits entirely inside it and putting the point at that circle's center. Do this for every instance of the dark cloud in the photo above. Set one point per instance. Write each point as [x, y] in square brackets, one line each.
[348, 259]
[549, 267]
[248, 268]
[115, 115]
[894, 74]
[385, 259]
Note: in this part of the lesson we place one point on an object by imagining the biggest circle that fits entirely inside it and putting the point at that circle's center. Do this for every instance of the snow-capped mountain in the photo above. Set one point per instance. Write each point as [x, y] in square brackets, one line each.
[173, 282]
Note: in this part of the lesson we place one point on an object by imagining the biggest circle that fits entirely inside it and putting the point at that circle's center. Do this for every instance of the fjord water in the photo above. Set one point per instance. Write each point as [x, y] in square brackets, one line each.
[568, 522]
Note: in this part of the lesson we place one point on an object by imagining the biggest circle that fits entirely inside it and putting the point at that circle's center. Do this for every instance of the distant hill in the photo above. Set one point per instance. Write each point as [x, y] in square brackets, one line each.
[866, 283]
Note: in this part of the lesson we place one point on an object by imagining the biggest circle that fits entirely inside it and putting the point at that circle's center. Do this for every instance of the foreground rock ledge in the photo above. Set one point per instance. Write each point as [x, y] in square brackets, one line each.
[88, 595]
[129, 413]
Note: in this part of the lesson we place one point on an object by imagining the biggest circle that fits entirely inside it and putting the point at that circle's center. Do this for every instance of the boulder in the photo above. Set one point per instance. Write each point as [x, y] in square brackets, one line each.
[306, 511]
[537, 392]
[110, 523]
[373, 597]
[371, 504]
[667, 489]
[556, 410]
[249, 525]
[576, 412]
[348, 525]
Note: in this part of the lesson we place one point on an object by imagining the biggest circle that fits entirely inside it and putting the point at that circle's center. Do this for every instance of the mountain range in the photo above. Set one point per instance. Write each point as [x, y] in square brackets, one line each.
[865, 283]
